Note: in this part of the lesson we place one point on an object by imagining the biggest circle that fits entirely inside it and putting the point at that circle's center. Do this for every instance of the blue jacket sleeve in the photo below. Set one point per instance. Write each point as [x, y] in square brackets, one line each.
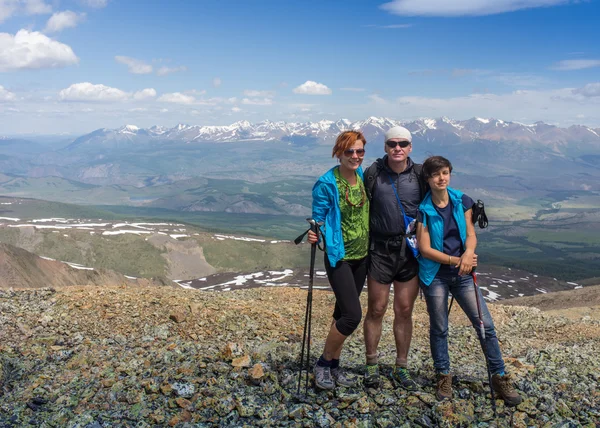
[321, 202]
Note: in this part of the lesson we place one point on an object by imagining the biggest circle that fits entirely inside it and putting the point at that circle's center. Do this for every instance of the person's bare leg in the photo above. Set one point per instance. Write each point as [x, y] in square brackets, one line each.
[333, 343]
[378, 297]
[405, 294]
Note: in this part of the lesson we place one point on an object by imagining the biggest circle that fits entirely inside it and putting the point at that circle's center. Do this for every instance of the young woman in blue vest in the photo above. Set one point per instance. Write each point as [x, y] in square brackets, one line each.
[340, 202]
[447, 241]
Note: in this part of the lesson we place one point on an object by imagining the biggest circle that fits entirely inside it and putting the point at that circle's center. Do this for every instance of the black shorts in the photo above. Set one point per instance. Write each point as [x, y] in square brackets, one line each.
[386, 266]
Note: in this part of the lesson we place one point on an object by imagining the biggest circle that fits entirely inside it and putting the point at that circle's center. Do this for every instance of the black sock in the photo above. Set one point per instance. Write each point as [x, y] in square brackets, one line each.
[323, 362]
[335, 363]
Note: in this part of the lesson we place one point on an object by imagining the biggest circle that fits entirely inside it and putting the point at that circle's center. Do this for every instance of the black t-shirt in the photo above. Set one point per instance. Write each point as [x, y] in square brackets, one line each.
[452, 244]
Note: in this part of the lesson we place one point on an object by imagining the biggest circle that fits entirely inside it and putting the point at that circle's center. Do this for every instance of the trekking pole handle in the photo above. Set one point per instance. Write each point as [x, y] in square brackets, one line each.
[314, 226]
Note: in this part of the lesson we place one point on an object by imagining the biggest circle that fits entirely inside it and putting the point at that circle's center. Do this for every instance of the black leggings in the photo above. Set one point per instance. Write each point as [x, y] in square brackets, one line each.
[347, 280]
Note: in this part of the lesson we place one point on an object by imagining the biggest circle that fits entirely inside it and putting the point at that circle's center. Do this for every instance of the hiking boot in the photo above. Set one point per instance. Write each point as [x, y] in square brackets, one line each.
[323, 379]
[371, 375]
[402, 377]
[444, 387]
[341, 377]
[504, 389]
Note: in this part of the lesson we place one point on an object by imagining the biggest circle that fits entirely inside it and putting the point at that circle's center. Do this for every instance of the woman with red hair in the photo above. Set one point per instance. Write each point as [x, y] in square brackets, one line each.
[340, 202]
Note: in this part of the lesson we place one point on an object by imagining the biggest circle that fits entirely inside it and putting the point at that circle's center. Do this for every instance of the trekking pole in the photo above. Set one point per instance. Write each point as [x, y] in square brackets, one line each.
[305, 364]
[483, 344]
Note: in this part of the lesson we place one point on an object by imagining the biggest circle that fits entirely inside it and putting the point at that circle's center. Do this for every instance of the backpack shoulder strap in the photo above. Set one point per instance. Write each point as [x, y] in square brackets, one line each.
[423, 186]
[371, 174]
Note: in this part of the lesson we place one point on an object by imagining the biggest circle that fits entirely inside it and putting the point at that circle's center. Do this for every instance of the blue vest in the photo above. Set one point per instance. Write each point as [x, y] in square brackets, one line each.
[326, 208]
[428, 269]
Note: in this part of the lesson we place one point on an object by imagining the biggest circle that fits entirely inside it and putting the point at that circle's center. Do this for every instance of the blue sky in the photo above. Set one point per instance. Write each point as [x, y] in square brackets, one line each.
[72, 66]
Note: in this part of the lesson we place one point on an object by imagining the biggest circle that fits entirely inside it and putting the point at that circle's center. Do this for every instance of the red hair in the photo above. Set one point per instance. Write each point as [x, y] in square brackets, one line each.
[345, 140]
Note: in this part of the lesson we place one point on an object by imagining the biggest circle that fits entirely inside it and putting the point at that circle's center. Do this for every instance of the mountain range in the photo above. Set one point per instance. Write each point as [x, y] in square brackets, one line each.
[576, 136]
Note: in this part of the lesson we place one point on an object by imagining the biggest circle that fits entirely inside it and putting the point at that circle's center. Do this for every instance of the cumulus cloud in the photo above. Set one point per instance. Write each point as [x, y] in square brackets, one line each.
[257, 101]
[217, 82]
[89, 92]
[589, 90]
[163, 71]
[135, 66]
[61, 20]
[144, 94]
[236, 109]
[31, 50]
[576, 64]
[254, 93]
[177, 98]
[6, 95]
[312, 88]
[464, 7]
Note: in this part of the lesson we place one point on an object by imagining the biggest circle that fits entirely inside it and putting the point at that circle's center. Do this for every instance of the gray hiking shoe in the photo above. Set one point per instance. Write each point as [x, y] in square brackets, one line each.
[403, 378]
[371, 375]
[341, 378]
[323, 379]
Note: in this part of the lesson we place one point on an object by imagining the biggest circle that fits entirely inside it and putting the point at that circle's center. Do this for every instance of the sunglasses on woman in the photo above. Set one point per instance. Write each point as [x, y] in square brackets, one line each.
[393, 144]
[350, 152]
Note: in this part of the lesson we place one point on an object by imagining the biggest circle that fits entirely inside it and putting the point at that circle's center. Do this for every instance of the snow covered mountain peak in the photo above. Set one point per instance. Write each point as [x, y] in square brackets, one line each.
[373, 128]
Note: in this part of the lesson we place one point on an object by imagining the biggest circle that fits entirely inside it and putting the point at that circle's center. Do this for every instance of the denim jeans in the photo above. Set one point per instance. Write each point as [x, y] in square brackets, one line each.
[462, 288]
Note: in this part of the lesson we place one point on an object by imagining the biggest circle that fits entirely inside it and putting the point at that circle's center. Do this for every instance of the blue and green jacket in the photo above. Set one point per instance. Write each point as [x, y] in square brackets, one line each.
[326, 209]
[428, 269]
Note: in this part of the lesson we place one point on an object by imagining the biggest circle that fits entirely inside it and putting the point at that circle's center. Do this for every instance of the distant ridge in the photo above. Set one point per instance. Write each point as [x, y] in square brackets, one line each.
[373, 127]
[21, 269]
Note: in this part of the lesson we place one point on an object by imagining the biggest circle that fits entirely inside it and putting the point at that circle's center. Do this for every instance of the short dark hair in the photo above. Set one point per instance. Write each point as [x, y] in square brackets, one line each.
[433, 164]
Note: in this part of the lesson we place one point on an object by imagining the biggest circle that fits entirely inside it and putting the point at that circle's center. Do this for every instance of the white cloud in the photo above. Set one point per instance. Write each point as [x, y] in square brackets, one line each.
[217, 82]
[6, 95]
[36, 7]
[257, 101]
[589, 90]
[576, 64]
[144, 94]
[163, 71]
[254, 93]
[89, 92]
[551, 106]
[135, 66]
[377, 99]
[353, 89]
[177, 98]
[31, 50]
[98, 4]
[28, 7]
[7, 9]
[236, 109]
[464, 7]
[312, 88]
[61, 20]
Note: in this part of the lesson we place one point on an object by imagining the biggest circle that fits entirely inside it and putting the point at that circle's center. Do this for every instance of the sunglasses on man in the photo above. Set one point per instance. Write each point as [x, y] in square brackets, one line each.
[393, 144]
[359, 152]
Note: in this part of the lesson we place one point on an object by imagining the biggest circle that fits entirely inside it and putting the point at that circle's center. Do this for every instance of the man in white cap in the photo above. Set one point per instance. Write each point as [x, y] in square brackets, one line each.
[396, 188]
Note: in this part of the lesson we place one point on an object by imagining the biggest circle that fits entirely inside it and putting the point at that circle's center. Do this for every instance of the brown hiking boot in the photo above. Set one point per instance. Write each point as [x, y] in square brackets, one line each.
[444, 387]
[504, 389]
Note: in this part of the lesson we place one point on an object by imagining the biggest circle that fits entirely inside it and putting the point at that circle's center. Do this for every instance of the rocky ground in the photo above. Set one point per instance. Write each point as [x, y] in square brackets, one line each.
[141, 356]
